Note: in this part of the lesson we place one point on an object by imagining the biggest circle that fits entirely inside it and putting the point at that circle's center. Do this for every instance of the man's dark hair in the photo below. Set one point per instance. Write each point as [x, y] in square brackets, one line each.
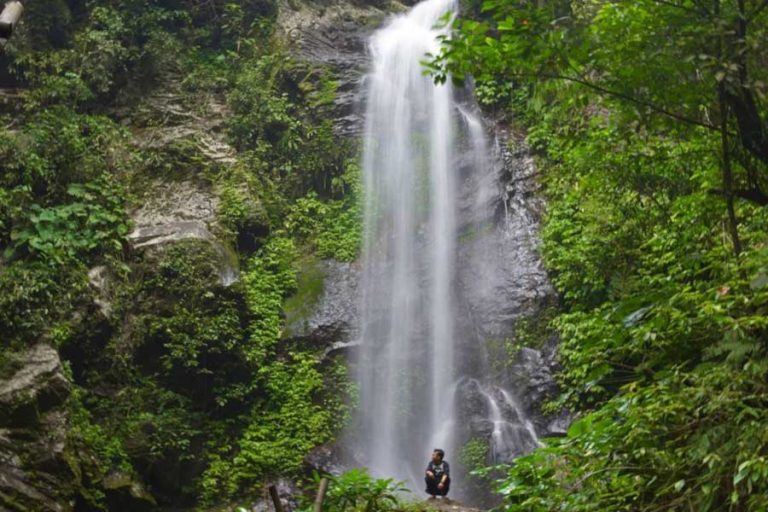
[440, 452]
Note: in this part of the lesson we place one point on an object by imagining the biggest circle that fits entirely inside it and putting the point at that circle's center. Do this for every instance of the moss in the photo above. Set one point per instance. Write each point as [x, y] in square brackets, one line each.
[535, 331]
[309, 287]
[474, 453]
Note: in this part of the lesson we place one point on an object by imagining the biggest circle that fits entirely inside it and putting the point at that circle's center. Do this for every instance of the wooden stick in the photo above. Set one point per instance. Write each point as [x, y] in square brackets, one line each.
[275, 498]
[9, 18]
[318, 506]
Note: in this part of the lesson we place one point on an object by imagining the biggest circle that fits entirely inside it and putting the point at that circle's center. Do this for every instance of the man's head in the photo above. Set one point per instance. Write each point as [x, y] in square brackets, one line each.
[437, 455]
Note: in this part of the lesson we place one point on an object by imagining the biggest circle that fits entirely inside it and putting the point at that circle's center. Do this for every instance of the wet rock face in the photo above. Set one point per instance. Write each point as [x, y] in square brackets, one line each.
[34, 472]
[328, 458]
[502, 280]
[333, 321]
[532, 376]
[174, 210]
[336, 36]
[501, 274]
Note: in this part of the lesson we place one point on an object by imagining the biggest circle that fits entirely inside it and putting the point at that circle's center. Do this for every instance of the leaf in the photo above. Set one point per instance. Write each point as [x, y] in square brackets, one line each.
[580, 427]
[636, 317]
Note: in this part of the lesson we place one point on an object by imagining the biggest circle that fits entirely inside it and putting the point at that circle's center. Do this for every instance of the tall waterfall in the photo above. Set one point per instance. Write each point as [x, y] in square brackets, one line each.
[419, 143]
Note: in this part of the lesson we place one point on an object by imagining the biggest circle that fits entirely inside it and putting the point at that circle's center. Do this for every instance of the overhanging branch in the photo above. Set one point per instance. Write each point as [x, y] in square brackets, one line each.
[637, 101]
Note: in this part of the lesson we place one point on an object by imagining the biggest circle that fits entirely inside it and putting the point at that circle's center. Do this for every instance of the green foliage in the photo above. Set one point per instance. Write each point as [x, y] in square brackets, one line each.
[182, 370]
[535, 331]
[59, 147]
[189, 326]
[474, 453]
[242, 211]
[65, 89]
[281, 430]
[280, 114]
[631, 108]
[244, 24]
[92, 224]
[654, 65]
[99, 53]
[299, 408]
[162, 429]
[689, 439]
[95, 451]
[267, 281]
[277, 440]
[110, 453]
[145, 425]
[333, 227]
[356, 490]
[36, 299]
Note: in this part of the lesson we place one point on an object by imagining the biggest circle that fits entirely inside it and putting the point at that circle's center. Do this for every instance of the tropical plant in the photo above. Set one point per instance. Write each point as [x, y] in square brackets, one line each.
[356, 490]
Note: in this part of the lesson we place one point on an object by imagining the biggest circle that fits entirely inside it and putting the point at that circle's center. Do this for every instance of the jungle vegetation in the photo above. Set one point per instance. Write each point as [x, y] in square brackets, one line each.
[650, 125]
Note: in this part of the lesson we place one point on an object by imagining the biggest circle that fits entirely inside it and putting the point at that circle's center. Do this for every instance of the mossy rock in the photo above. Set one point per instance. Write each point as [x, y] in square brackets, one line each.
[309, 288]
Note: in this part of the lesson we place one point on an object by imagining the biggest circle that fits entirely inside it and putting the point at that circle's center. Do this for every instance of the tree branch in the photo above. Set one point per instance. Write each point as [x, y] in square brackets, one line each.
[753, 195]
[627, 97]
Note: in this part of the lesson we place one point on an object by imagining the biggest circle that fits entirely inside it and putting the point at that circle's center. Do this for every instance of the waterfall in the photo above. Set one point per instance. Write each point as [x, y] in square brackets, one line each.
[420, 143]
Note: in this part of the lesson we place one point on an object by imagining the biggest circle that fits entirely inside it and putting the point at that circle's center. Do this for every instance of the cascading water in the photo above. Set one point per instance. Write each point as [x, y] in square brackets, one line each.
[419, 144]
[409, 255]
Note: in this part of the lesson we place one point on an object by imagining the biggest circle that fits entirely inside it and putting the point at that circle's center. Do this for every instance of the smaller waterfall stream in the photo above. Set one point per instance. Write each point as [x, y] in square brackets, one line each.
[513, 433]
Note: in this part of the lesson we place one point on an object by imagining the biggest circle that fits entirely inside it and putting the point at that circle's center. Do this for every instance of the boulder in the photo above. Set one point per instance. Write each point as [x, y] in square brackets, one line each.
[330, 320]
[35, 473]
[38, 386]
[126, 493]
[171, 211]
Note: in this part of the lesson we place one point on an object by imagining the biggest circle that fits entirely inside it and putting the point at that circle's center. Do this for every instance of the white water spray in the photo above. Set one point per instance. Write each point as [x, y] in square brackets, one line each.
[411, 362]
[408, 363]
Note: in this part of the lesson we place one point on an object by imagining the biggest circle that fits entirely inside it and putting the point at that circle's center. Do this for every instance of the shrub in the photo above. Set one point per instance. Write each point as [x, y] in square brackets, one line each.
[356, 490]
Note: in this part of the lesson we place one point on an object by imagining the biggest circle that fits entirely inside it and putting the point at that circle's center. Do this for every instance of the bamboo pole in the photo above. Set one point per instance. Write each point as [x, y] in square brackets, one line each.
[318, 506]
[275, 498]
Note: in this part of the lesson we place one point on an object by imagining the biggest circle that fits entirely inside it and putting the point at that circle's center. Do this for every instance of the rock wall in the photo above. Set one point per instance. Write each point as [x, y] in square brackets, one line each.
[335, 35]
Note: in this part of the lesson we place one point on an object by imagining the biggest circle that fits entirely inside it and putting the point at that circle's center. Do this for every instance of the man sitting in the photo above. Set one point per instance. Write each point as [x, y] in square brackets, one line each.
[438, 474]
